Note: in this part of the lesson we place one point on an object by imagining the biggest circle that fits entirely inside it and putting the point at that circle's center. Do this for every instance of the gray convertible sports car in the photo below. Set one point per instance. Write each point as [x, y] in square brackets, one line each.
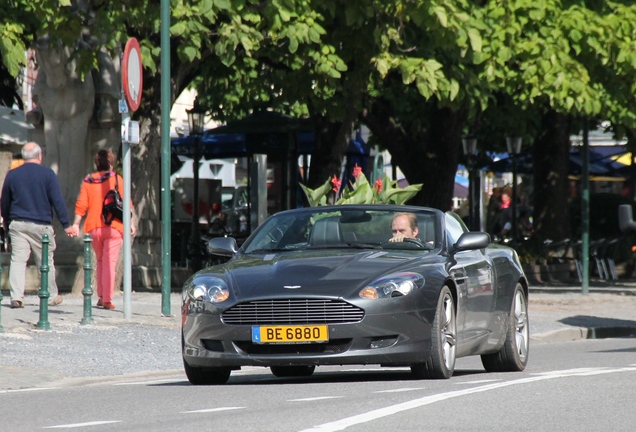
[325, 286]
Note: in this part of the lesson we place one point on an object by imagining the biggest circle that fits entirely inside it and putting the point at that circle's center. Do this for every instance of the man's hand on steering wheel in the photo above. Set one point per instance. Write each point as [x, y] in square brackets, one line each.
[399, 237]
[402, 238]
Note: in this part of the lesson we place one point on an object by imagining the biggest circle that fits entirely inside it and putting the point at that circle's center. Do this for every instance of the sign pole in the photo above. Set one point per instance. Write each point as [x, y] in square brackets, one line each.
[132, 83]
[127, 239]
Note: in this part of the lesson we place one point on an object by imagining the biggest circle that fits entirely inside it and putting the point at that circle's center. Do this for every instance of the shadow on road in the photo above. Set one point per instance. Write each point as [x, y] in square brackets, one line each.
[325, 377]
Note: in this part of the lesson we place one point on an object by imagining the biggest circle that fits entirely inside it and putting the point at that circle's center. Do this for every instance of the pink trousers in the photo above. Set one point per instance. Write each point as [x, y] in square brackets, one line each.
[106, 244]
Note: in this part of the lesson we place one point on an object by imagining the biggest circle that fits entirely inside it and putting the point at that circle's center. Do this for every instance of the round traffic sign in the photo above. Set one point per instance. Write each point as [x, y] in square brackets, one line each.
[132, 74]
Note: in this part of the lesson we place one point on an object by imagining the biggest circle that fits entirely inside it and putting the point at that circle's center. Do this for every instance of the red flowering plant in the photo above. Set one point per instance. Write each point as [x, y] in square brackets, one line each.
[360, 191]
[336, 182]
[378, 186]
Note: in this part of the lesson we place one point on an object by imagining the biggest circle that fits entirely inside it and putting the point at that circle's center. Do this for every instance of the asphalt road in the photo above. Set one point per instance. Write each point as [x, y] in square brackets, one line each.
[586, 385]
[149, 343]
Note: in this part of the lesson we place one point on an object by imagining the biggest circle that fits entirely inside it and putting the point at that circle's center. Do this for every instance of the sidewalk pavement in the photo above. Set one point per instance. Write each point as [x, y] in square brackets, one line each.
[149, 343]
[145, 308]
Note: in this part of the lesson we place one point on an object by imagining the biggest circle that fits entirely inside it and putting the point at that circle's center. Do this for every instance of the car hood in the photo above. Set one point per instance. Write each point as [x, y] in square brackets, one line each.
[313, 273]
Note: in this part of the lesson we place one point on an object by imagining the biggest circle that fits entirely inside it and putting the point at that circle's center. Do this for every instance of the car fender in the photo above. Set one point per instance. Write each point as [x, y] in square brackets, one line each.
[507, 274]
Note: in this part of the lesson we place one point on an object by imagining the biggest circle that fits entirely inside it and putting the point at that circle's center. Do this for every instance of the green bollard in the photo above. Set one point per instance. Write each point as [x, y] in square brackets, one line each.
[88, 287]
[44, 286]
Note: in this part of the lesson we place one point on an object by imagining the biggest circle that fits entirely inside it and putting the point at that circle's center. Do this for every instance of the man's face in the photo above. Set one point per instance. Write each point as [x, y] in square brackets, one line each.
[400, 225]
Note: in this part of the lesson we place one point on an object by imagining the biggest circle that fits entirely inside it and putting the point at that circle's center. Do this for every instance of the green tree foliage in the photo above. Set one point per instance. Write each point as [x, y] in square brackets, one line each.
[419, 74]
[427, 87]
[319, 68]
[202, 32]
[364, 45]
[556, 62]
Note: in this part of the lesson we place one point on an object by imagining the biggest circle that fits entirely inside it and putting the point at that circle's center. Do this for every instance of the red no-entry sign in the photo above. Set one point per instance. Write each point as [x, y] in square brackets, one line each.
[132, 74]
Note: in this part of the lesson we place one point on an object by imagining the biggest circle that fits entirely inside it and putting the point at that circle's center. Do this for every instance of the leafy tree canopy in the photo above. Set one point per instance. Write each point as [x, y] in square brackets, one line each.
[329, 58]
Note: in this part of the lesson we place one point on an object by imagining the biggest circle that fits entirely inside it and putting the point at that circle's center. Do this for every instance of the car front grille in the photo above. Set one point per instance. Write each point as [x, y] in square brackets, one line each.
[292, 312]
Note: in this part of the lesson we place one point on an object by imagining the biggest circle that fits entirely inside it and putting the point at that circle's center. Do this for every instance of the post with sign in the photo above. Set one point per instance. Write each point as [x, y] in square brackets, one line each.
[132, 84]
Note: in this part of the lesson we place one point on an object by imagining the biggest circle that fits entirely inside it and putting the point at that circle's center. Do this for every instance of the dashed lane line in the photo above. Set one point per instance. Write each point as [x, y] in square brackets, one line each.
[25, 390]
[79, 425]
[161, 381]
[476, 382]
[315, 398]
[209, 410]
[400, 390]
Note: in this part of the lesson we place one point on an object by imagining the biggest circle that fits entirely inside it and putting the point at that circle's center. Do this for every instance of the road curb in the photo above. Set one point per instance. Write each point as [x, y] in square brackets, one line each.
[22, 379]
[621, 291]
[581, 333]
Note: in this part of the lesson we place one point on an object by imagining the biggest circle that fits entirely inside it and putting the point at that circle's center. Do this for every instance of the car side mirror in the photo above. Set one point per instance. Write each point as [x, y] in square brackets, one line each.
[222, 246]
[471, 241]
[625, 219]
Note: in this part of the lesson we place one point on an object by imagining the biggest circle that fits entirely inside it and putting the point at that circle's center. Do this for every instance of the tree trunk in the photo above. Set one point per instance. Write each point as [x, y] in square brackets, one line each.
[332, 140]
[551, 160]
[430, 157]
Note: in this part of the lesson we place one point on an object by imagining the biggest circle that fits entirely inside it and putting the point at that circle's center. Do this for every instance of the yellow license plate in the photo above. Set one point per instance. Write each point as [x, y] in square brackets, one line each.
[290, 334]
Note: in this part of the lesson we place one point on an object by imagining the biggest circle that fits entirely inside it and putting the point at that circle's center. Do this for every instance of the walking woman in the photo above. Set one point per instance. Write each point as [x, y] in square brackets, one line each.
[107, 238]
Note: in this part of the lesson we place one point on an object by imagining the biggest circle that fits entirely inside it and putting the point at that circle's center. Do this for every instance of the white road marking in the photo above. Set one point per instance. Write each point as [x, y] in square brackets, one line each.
[565, 371]
[314, 398]
[25, 390]
[78, 425]
[400, 390]
[416, 403]
[476, 382]
[209, 410]
[376, 370]
[150, 382]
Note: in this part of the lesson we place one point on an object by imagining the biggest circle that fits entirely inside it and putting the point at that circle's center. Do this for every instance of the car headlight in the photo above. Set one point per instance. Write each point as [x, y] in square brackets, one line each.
[210, 289]
[395, 285]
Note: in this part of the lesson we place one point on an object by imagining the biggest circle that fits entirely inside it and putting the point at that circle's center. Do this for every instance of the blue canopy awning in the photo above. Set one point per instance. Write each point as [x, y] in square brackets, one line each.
[213, 146]
[600, 164]
[228, 145]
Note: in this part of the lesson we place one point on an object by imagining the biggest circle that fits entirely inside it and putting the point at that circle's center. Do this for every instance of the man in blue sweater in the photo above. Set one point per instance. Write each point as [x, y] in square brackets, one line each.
[29, 195]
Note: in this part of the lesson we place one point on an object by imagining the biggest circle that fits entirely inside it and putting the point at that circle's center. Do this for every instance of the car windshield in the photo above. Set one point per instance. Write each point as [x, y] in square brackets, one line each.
[323, 228]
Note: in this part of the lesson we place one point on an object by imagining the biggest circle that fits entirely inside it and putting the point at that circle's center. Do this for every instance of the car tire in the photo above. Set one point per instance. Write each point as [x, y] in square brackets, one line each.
[513, 356]
[206, 375]
[441, 363]
[292, 371]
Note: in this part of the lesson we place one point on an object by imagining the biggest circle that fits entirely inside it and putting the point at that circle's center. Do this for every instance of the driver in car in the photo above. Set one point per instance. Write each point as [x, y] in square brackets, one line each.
[403, 225]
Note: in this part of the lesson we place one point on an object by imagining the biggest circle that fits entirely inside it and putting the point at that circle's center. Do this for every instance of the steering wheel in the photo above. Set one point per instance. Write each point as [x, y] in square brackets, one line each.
[415, 241]
[276, 235]
[416, 244]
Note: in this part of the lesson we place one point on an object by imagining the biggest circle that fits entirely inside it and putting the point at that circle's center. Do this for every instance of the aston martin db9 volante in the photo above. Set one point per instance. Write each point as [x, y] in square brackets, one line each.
[347, 284]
